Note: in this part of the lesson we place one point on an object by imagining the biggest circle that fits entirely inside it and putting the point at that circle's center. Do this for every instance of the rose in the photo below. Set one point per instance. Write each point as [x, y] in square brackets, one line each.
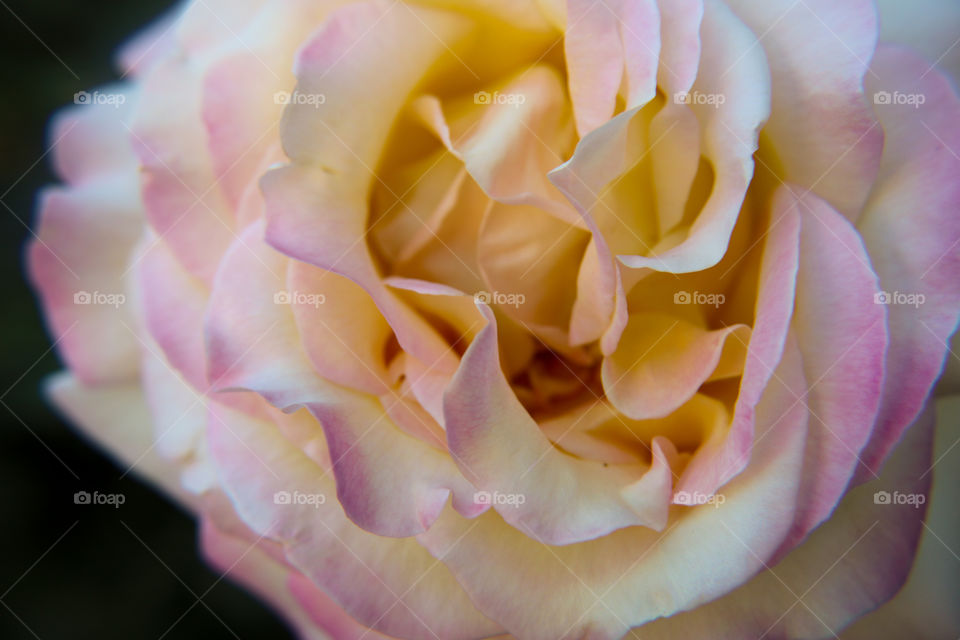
[596, 397]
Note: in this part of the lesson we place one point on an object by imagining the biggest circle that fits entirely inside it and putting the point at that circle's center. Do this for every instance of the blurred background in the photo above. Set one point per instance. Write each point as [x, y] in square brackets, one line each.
[79, 571]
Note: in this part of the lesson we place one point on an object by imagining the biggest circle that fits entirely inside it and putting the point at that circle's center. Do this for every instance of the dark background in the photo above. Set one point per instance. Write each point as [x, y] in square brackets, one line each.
[70, 571]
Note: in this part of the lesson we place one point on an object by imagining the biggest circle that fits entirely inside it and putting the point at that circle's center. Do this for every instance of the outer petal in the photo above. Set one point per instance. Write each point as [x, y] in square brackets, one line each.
[84, 240]
[843, 338]
[925, 606]
[182, 200]
[116, 417]
[390, 585]
[152, 44]
[247, 562]
[388, 481]
[92, 141]
[821, 126]
[173, 305]
[912, 233]
[835, 576]
[83, 246]
[242, 91]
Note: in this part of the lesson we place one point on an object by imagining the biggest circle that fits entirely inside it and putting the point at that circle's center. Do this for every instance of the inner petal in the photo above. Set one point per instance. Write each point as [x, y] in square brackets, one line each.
[662, 361]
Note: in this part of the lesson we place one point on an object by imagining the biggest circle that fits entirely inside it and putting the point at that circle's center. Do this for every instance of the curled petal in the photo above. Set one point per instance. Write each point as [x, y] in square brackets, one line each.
[662, 361]
[599, 588]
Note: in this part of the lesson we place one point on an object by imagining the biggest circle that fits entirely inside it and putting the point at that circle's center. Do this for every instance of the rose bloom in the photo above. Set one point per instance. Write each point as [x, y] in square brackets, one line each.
[516, 318]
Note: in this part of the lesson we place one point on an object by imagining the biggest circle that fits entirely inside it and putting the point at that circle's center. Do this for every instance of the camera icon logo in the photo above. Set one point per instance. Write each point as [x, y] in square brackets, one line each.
[281, 97]
[282, 297]
[483, 297]
[881, 497]
[82, 297]
[881, 297]
[281, 497]
[882, 97]
[481, 97]
[81, 97]
[682, 297]
[482, 497]
[81, 497]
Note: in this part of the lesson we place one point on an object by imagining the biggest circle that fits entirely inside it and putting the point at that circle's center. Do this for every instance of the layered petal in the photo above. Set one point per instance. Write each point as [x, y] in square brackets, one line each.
[842, 333]
[916, 254]
[821, 128]
[78, 262]
[389, 585]
[853, 562]
[734, 82]
[724, 456]
[388, 481]
[601, 587]
[607, 43]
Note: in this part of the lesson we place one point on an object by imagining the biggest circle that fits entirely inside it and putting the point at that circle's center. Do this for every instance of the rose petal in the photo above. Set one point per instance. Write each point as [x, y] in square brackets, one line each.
[116, 418]
[387, 584]
[843, 338]
[244, 92]
[720, 459]
[80, 254]
[604, 42]
[680, 38]
[263, 353]
[92, 140]
[183, 202]
[821, 126]
[601, 587]
[246, 562]
[731, 66]
[341, 329]
[661, 362]
[911, 231]
[834, 576]
[174, 302]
